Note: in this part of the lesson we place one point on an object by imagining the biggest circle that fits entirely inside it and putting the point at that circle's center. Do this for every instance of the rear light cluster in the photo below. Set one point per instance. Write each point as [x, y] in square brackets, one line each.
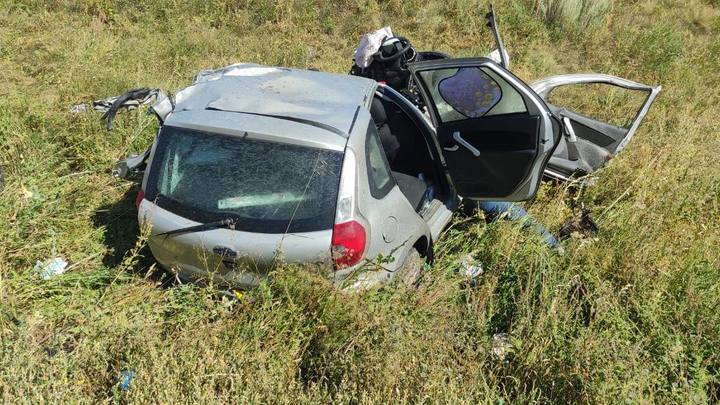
[349, 238]
[138, 199]
[348, 243]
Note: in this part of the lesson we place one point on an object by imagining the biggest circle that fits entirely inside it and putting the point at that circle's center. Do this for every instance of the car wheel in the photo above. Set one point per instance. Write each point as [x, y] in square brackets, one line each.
[412, 269]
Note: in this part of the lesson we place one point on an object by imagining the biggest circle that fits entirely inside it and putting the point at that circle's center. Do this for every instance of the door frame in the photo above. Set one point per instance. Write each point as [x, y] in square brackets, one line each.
[534, 103]
[543, 88]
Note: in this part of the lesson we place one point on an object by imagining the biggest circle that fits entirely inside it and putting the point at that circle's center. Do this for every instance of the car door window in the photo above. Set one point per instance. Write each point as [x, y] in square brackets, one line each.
[495, 133]
[602, 102]
[600, 115]
[379, 176]
[471, 92]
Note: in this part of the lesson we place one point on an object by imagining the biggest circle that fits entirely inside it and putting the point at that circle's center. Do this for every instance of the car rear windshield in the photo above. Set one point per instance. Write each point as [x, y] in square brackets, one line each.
[267, 187]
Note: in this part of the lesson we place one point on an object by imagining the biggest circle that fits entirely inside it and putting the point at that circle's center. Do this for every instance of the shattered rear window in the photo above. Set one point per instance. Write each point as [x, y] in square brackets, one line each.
[268, 187]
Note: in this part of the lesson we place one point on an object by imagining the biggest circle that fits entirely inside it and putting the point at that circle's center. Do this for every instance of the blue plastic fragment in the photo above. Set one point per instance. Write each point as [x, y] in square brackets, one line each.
[125, 379]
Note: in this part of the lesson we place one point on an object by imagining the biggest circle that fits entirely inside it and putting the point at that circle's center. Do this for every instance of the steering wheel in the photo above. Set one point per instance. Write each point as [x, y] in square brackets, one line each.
[397, 54]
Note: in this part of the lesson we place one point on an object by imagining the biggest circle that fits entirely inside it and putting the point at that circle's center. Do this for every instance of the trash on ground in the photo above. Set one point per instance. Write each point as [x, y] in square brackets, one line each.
[501, 346]
[495, 210]
[79, 108]
[125, 379]
[28, 194]
[579, 226]
[470, 267]
[51, 268]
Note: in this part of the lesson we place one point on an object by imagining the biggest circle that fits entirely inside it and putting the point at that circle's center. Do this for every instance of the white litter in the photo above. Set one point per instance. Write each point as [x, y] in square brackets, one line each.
[51, 268]
[370, 45]
[470, 267]
[501, 345]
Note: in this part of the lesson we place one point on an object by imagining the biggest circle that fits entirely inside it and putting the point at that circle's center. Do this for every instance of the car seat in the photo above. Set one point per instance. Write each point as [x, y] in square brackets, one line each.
[390, 142]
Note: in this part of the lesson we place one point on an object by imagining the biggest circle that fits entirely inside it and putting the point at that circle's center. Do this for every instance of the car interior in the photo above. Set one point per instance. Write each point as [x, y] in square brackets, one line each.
[407, 153]
[595, 144]
[599, 129]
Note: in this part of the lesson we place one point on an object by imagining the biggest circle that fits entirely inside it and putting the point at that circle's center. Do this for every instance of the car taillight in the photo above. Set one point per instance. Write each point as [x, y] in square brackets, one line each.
[138, 199]
[348, 243]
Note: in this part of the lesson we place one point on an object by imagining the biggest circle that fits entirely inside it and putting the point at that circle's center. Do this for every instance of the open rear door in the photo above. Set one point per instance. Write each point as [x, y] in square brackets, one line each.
[600, 115]
[495, 132]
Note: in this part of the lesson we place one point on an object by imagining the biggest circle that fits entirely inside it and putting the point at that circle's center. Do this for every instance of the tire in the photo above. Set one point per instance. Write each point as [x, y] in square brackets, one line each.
[411, 270]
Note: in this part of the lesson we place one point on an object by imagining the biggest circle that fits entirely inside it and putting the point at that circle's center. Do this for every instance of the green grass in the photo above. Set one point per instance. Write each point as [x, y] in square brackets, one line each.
[632, 315]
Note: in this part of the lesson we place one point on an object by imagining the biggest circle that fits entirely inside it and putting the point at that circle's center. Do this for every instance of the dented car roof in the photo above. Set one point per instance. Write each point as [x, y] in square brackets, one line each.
[326, 100]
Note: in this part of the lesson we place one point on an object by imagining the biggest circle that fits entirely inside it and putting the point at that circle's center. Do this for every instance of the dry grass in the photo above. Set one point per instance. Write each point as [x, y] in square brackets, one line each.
[632, 315]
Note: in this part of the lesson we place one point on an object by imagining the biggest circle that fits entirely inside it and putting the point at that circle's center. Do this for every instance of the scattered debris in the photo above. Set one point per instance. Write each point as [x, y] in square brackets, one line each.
[51, 268]
[470, 267]
[131, 100]
[79, 108]
[579, 226]
[131, 165]
[125, 379]
[501, 346]
[27, 194]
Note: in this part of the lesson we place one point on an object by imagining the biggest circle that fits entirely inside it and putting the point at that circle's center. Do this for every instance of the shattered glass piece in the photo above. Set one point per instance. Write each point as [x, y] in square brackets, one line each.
[471, 267]
[51, 268]
[79, 108]
[501, 346]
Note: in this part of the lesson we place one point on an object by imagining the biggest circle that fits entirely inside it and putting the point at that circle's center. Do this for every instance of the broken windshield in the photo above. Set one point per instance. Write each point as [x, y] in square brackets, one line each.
[266, 187]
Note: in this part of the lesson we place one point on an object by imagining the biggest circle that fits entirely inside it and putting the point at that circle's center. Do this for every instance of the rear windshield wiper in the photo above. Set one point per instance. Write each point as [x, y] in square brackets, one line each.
[228, 223]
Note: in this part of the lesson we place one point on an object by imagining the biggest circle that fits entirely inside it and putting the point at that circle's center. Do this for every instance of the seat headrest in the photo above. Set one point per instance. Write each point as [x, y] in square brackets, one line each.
[377, 112]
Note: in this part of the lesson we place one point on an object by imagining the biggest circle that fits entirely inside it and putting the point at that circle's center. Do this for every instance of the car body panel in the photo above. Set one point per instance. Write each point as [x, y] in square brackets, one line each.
[467, 161]
[442, 216]
[239, 257]
[265, 128]
[393, 226]
[545, 86]
[603, 140]
[309, 96]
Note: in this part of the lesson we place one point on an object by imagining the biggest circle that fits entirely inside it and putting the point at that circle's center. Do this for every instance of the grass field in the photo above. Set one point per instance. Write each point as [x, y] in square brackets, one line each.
[632, 315]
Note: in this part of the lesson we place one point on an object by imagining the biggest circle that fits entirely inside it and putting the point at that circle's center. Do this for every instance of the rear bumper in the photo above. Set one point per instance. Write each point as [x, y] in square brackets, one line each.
[233, 279]
[226, 256]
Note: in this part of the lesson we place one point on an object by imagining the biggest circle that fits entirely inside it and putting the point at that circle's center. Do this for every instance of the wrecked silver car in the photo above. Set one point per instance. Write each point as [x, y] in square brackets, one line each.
[587, 142]
[253, 163]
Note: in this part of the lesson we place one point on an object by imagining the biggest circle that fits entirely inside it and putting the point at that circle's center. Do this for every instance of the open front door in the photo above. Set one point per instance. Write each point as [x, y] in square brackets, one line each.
[600, 115]
[495, 132]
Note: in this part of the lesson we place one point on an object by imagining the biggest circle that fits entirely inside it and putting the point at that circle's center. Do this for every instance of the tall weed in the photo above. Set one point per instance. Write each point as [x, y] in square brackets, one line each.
[573, 15]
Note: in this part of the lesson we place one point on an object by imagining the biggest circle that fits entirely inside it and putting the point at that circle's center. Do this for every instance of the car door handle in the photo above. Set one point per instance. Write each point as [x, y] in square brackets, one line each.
[466, 144]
